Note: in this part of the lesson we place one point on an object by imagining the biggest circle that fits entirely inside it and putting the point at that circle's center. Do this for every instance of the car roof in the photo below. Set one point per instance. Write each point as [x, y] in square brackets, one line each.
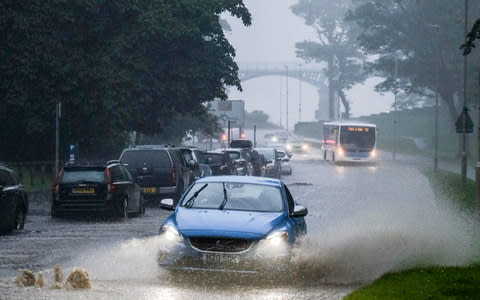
[232, 149]
[241, 179]
[5, 168]
[150, 147]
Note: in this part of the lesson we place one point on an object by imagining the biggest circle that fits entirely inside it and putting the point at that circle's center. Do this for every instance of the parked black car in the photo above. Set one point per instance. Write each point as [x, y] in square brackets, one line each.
[13, 201]
[220, 163]
[107, 189]
[273, 162]
[160, 170]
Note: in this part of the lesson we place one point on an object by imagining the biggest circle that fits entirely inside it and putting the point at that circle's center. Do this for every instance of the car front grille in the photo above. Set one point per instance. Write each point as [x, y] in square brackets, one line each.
[229, 245]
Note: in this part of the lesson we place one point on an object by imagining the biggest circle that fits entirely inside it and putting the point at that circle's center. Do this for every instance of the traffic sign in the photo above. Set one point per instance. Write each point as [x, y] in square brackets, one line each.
[464, 123]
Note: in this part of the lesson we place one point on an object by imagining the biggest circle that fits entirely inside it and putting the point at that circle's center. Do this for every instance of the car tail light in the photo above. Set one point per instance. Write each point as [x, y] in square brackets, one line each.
[174, 175]
[56, 183]
[110, 186]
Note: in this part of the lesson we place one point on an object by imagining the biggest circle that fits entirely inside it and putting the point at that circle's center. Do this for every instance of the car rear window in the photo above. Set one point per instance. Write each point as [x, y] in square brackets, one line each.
[216, 158]
[74, 176]
[150, 158]
[234, 155]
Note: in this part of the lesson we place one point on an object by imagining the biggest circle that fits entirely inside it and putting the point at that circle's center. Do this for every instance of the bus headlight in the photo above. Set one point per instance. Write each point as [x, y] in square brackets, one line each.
[373, 154]
[305, 147]
[274, 139]
[340, 151]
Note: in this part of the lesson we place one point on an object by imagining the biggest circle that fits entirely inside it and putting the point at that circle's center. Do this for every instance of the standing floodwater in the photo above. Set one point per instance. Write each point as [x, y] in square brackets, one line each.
[364, 220]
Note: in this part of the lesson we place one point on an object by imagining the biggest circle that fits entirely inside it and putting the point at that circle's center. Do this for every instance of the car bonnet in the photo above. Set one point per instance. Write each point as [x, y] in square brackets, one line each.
[226, 223]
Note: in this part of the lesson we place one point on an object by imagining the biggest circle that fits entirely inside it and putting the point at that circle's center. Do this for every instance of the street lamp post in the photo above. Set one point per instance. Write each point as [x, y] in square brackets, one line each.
[300, 97]
[464, 134]
[286, 100]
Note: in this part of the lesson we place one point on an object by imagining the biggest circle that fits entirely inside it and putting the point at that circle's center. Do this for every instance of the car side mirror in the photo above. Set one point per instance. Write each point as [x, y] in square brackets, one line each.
[299, 211]
[192, 164]
[167, 204]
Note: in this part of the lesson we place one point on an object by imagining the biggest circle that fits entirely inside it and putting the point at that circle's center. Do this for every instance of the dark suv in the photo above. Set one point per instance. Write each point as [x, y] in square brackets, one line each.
[13, 201]
[108, 189]
[160, 170]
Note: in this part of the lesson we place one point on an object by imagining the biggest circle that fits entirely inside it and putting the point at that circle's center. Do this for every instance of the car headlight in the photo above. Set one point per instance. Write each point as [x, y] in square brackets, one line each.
[305, 146]
[373, 153]
[171, 234]
[340, 151]
[274, 139]
[289, 147]
[277, 238]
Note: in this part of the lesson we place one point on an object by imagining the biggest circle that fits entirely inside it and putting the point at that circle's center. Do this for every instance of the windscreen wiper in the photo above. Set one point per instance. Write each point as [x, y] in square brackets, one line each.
[191, 200]
[225, 199]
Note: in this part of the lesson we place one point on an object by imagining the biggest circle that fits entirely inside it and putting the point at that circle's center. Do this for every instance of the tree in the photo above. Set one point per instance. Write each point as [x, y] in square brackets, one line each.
[258, 118]
[336, 46]
[471, 37]
[419, 36]
[116, 66]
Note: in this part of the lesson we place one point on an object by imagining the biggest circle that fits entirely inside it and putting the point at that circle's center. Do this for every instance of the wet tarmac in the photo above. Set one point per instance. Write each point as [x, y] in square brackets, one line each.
[364, 221]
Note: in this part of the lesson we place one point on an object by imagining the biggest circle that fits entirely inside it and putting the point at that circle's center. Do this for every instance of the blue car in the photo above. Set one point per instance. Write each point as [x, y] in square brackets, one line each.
[231, 223]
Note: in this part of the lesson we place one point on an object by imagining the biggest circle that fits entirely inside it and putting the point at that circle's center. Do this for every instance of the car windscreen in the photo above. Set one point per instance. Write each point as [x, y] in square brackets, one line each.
[150, 158]
[234, 196]
[83, 175]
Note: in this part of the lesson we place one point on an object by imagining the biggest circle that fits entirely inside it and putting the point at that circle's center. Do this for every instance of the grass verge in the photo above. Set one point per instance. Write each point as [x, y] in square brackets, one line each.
[435, 282]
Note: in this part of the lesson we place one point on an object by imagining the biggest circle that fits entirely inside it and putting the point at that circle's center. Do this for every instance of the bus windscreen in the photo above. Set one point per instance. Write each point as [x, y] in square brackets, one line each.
[357, 137]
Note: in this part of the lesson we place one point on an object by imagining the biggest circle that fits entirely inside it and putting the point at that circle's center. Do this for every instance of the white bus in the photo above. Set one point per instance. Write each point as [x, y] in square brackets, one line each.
[349, 141]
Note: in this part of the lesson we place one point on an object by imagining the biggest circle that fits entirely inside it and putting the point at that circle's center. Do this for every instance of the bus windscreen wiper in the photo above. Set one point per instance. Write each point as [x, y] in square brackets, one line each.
[191, 200]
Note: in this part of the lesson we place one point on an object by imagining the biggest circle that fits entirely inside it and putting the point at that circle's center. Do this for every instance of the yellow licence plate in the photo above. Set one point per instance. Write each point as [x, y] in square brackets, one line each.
[149, 190]
[83, 190]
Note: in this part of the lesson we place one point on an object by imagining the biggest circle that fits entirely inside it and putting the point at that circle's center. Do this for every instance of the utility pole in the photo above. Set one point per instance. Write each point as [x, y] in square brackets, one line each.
[437, 76]
[286, 100]
[464, 134]
[477, 167]
[281, 102]
[395, 72]
[58, 114]
[300, 97]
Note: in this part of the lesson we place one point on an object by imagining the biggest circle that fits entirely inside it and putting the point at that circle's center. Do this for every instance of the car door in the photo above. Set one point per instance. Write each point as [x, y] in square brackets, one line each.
[133, 190]
[299, 222]
[123, 188]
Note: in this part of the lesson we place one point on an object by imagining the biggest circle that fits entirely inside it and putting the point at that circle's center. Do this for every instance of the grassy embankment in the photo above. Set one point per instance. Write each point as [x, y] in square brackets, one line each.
[435, 282]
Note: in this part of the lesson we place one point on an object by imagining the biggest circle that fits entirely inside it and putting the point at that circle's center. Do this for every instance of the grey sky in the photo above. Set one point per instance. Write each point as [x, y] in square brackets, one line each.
[272, 38]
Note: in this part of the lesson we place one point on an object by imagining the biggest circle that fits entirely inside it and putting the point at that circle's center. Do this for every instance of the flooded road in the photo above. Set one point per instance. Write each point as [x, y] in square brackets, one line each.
[364, 221]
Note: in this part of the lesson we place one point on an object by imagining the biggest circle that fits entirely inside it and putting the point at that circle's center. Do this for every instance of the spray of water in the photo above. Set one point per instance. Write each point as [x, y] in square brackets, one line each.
[389, 229]
[399, 229]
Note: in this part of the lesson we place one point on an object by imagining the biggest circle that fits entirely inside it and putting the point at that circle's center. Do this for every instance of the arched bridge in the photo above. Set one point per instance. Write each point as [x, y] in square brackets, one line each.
[309, 73]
